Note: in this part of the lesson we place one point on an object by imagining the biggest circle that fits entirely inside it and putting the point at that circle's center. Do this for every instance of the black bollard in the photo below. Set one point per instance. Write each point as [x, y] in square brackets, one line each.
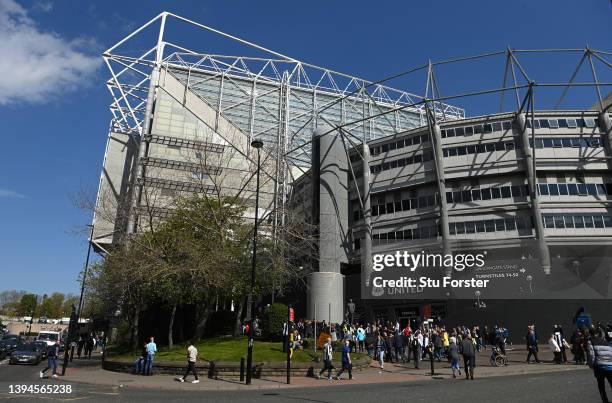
[241, 369]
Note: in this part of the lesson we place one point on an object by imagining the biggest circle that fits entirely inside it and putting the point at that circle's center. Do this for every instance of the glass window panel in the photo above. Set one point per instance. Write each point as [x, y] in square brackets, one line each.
[405, 205]
[461, 151]
[608, 188]
[548, 143]
[591, 189]
[562, 122]
[398, 206]
[471, 149]
[477, 129]
[418, 158]
[449, 197]
[548, 221]
[499, 225]
[431, 200]
[539, 143]
[578, 221]
[382, 209]
[469, 130]
[407, 234]
[399, 143]
[375, 210]
[416, 140]
[469, 227]
[488, 128]
[497, 126]
[590, 122]
[391, 236]
[553, 190]
[569, 221]
[582, 189]
[460, 228]
[457, 197]
[476, 194]
[571, 123]
[543, 190]
[451, 228]
[598, 220]
[607, 221]
[422, 201]
[392, 146]
[486, 194]
[588, 221]
[401, 162]
[553, 123]
[558, 221]
[505, 192]
[466, 196]
[450, 132]
[557, 143]
[566, 142]
[384, 148]
[562, 189]
[601, 189]
[516, 191]
[490, 225]
[500, 146]
[572, 189]
[509, 145]
[393, 164]
[507, 125]
[496, 193]
[480, 148]
[480, 226]
[490, 147]
[544, 123]
[510, 224]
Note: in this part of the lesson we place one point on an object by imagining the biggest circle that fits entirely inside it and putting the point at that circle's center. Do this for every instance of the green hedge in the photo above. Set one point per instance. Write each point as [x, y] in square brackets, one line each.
[274, 317]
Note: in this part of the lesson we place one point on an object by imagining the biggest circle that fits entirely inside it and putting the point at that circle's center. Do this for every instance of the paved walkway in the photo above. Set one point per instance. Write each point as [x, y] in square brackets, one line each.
[84, 372]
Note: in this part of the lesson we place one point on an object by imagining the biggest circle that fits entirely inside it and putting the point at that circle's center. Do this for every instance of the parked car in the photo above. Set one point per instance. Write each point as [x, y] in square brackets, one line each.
[41, 348]
[26, 354]
[48, 337]
[9, 343]
[43, 319]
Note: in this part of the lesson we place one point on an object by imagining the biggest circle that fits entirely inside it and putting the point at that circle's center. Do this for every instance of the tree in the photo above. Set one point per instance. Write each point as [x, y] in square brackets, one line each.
[27, 305]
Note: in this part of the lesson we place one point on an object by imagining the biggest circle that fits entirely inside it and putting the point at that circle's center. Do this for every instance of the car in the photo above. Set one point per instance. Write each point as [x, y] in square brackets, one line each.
[42, 348]
[9, 343]
[26, 354]
[43, 320]
[49, 337]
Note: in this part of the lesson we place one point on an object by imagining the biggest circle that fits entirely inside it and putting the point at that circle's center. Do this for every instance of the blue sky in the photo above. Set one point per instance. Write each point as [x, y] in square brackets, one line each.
[54, 105]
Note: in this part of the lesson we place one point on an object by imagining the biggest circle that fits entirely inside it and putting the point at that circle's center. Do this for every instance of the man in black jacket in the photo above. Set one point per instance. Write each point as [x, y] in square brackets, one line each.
[469, 355]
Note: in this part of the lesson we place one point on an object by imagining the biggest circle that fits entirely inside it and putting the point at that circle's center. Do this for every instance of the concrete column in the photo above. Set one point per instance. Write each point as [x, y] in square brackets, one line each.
[436, 140]
[330, 213]
[605, 124]
[366, 248]
[533, 194]
[138, 172]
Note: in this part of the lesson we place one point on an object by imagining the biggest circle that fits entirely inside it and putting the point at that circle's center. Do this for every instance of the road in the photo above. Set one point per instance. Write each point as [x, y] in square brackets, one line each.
[571, 386]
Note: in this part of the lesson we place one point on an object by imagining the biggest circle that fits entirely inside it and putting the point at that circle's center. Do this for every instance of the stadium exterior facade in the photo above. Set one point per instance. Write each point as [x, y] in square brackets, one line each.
[362, 161]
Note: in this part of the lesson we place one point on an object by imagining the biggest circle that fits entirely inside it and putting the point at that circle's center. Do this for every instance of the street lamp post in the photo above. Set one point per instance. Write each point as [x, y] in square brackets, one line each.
[257, 144]
[85, 271]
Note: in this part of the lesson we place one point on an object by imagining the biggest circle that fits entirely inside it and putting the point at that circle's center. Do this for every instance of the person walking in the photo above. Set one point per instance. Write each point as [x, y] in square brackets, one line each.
[554, 347]
[151, 350]
[599, 358]
[453, 354]
[328, 355]
[361, 335]
[347, 363]
[561, 342]
[469, 355]
[52, 354]
[381, 347]
[532, 344]
[577, 342]
[417, 346]
[192, 357]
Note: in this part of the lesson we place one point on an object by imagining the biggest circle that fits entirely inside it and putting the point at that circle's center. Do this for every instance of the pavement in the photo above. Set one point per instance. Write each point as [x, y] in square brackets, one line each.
[85, 373]
[577, 385]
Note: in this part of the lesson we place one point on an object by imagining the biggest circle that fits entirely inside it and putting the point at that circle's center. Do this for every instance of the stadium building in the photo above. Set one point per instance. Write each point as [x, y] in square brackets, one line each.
[373, 168]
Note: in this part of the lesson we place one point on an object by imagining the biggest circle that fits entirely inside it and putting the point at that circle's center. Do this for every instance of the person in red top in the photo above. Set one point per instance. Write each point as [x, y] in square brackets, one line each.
[407, 331]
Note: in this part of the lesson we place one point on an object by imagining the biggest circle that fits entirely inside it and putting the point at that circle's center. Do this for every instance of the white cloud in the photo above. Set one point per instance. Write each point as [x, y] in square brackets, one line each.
[8, 193]
[44, 6]
[36, 66]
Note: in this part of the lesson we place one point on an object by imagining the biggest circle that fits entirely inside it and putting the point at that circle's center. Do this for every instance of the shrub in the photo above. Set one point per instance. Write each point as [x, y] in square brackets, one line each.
[274, 317]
